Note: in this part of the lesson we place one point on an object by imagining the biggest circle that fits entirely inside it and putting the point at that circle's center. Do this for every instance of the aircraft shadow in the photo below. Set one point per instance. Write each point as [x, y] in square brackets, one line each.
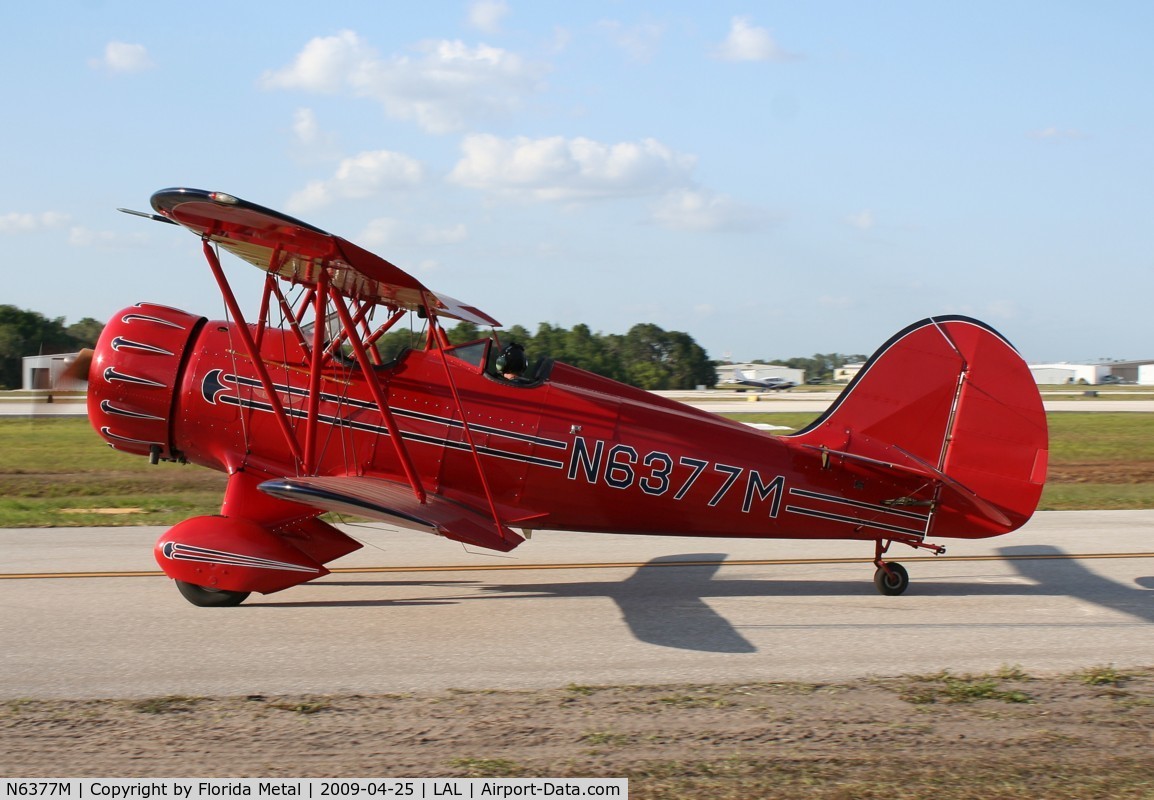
[1078, 581]
[369, 603]
[664, 602]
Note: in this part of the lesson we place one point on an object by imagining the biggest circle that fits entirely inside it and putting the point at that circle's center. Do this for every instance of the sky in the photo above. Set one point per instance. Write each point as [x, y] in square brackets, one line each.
[775, 179]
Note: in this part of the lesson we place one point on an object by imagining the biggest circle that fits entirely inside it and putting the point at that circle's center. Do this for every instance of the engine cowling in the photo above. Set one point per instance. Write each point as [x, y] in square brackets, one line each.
[134, 376]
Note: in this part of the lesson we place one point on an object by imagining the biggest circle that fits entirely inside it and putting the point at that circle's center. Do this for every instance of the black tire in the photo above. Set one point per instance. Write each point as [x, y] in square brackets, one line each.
[209, 597]
[893, 583]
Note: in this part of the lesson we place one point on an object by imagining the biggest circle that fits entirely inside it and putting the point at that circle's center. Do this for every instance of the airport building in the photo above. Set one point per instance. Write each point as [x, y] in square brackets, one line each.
[1139, 372]
[1084, 374]
[45, 372]
[846, 372]
[1107, 372]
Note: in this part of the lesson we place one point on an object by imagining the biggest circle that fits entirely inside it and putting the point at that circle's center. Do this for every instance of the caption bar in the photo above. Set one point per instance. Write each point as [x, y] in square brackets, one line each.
[312, 788]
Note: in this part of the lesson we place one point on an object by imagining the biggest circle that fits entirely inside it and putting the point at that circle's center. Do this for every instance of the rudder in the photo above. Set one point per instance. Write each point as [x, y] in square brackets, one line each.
[948, 398]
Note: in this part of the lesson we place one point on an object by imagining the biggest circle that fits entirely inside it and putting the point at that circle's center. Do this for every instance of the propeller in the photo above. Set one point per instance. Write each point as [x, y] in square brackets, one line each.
[75, 372]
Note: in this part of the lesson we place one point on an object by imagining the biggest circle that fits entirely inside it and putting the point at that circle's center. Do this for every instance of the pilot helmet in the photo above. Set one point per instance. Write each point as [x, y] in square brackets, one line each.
[511, 359]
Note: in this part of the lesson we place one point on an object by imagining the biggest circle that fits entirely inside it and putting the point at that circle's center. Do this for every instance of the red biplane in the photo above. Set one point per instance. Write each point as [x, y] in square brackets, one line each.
[942, 434]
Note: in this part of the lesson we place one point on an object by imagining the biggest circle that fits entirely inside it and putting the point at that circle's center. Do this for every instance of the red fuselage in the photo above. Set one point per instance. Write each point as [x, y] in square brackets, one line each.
[566, 451]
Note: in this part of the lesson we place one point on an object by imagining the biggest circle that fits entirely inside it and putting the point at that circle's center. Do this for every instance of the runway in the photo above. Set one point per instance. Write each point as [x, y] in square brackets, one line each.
[414, 612]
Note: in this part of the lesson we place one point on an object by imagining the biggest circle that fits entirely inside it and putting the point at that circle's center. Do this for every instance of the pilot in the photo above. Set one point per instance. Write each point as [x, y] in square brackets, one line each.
[511, 362]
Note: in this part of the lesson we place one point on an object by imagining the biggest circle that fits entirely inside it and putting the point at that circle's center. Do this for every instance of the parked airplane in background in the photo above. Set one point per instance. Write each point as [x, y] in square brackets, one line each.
[941, 434]
[770, 384]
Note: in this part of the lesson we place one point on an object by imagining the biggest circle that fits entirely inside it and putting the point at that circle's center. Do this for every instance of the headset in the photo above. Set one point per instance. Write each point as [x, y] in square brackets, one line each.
[511, 360]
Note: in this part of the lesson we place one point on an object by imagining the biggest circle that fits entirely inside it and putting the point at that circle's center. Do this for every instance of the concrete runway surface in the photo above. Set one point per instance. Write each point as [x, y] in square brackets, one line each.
[415, 612]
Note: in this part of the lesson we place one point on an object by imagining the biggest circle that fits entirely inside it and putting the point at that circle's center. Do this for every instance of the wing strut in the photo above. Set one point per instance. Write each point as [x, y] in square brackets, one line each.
[316, 359]
[249, 345]
[289, 315]
[379, 397]
[465, 426]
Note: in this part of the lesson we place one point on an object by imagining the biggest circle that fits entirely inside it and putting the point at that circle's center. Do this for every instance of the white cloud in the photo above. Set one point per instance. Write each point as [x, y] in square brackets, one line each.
[862, 220]
[836, 302]
[112, 240]
[556, 168]
[326, 64]
[698, 210]
[1001, 309]
[313, 144]
[363, 175]
[305, 126]
[748, 42]
[1057, 133]
[27, 223]
[993, 308]
[639, 41]
[124, 58]
[486, 15]
[443, 88]
[386, 231]
[560, 41]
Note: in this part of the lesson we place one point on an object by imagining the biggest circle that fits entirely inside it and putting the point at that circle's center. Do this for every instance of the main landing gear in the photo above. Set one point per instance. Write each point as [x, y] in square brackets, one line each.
[209, 597]
[891, 578]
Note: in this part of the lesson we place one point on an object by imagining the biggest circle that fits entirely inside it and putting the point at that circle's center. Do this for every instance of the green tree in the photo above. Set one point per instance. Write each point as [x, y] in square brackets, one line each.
[29, 333]
[85, 332]
[518, 334]
[647, 357]
[464, 332]
[591, 351]
[653, 358]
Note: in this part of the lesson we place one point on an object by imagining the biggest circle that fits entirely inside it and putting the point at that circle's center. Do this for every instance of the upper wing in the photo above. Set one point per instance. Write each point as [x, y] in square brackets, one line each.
[297, 251]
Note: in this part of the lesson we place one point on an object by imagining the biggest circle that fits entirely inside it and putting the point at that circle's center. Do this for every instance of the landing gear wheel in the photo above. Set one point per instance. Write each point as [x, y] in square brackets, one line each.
[209, 597]
[896, 581]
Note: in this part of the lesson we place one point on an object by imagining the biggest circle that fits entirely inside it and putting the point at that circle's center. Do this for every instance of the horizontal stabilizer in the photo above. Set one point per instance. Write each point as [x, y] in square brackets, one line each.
[395, 502]
[910, 464]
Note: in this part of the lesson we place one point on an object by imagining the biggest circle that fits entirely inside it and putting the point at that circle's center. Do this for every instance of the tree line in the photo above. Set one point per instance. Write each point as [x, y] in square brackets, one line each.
[29, 333]
[647, 356]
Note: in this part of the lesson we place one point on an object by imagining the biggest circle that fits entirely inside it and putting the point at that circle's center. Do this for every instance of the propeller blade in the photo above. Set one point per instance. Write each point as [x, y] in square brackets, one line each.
[75, 372]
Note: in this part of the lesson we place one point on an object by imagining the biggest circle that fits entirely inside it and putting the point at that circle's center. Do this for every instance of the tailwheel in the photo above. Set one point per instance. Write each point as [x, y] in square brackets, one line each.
[208, 597]
[891, 578]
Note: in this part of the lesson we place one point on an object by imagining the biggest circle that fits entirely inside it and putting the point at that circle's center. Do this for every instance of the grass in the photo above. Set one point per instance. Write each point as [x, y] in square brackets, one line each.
[607, 739]
[1103, 676]
[945, 687]
[1075, 436]
[487, 767]
[1104, 437]
[304, 707]
[1101, 496]
[693, 701]
[58, 472]
[165, 705]
[1098, 460]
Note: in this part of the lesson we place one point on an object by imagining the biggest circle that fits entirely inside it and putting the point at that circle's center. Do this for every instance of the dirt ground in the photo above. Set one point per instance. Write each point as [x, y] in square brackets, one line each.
[1109, 472]
[994, 736]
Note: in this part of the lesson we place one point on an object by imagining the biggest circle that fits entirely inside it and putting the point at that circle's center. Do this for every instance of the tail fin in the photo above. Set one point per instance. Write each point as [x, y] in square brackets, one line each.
[950, 400]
